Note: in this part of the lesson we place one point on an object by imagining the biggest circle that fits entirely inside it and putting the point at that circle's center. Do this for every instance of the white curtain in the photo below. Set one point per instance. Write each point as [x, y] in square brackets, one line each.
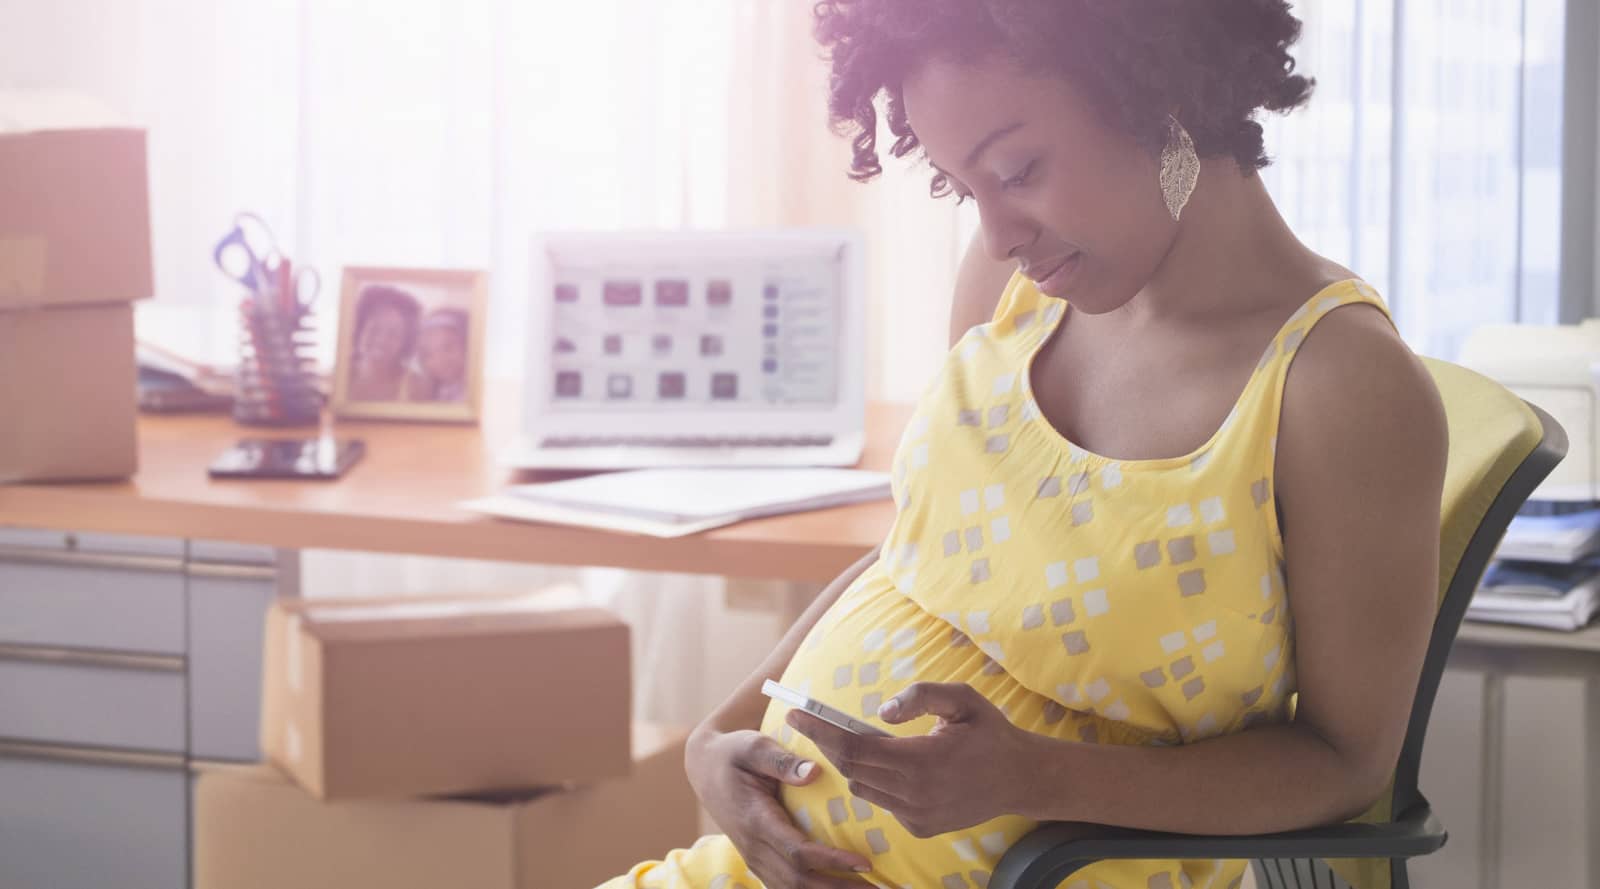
[428, 132]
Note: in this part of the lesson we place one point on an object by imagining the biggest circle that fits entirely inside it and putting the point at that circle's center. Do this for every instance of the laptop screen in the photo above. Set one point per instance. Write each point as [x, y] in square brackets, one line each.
[729, 329]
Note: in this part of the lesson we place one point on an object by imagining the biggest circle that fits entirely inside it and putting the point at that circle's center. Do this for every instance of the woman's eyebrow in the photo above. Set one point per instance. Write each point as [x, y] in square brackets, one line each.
[977, 150]
[993, 137]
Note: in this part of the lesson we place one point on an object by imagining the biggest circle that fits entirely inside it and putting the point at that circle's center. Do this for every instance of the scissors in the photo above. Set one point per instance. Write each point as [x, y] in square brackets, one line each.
[249, 254]
[297, 288]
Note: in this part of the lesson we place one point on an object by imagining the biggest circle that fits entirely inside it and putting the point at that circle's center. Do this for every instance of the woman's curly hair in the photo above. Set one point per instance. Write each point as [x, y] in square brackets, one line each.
[1211, 63]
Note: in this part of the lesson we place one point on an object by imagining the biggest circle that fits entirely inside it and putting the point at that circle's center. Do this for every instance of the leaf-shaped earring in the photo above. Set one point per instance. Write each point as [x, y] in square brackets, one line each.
[1180, 167]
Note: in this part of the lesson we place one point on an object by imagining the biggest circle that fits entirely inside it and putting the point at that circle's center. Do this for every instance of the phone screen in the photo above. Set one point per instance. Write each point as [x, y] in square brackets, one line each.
[830, 715]
[288, 458]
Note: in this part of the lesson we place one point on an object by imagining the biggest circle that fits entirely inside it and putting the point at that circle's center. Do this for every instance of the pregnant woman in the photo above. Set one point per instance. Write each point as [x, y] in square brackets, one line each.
[1166, 546]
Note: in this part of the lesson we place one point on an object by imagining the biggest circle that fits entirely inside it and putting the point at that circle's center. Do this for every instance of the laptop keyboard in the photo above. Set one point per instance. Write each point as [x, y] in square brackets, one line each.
[687, 441]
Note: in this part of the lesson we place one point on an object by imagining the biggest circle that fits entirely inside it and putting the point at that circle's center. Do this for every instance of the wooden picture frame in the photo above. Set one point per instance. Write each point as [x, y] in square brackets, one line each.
[411, 344]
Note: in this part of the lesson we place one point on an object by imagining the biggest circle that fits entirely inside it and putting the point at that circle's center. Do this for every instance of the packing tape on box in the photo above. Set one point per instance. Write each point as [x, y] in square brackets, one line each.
[291, 654]
[22, 268]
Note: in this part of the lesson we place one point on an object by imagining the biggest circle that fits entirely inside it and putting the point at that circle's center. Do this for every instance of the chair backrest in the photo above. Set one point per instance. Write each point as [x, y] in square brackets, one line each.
[1501, 448]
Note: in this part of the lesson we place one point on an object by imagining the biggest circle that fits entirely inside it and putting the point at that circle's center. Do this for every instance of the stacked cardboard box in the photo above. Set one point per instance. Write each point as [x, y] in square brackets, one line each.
[256, 830]
[480, 742]
[74, 255]
[406, 698]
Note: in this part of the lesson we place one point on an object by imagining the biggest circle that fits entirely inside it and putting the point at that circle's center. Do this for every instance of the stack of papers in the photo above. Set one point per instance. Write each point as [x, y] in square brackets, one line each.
[1556, 597]
[676, 502]
[207, 378]
[1558, 538]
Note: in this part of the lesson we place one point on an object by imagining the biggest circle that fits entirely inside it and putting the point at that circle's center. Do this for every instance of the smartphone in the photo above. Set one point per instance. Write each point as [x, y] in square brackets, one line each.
[837, 718]
[290, 458]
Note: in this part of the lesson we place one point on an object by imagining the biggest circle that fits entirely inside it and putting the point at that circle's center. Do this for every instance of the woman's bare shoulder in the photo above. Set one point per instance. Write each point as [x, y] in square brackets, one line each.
[979, 283]
[1357, 395]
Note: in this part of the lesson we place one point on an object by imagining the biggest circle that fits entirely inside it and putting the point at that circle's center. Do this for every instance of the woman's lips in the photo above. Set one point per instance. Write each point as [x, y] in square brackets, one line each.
[1055, 279]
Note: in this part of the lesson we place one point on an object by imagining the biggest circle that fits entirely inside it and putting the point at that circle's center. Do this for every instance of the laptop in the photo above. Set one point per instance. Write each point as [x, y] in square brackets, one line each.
[695, 349]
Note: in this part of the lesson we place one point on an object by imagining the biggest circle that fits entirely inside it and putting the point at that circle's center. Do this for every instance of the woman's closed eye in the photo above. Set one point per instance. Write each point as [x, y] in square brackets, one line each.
[1021, 178]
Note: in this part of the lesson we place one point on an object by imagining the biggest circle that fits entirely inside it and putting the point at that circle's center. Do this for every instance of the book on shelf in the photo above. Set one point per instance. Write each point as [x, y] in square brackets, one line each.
[1564, 538]
[1553, 596]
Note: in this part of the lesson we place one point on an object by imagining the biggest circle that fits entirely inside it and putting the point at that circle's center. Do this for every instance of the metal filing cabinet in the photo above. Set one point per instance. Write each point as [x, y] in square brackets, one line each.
[122, 661]
[73, 818]
[230, 588]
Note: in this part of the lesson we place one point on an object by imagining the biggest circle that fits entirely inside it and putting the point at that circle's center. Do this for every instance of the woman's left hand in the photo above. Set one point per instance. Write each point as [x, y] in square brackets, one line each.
[971, 767]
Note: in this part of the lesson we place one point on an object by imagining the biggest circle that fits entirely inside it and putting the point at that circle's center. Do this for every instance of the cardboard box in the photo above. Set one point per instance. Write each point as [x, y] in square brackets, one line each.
[253, 829]
[74, 252]
[413, 697]
[74, 203]
[67, 406]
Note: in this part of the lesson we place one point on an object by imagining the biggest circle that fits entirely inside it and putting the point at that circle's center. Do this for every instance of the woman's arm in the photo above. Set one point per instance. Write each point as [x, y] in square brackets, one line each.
[1360, 471]
[744, 708]
[979, 283]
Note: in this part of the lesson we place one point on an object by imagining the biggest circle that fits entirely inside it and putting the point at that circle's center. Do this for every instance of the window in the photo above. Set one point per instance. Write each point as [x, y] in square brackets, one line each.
[1431, 158]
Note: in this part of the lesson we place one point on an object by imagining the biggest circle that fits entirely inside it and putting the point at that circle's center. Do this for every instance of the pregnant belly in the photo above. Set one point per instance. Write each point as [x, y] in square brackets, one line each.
[869, 646]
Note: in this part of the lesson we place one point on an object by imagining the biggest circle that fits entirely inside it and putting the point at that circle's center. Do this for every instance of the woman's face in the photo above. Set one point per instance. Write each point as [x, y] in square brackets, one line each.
[442, 354]
[381, 340]
[1076, 203]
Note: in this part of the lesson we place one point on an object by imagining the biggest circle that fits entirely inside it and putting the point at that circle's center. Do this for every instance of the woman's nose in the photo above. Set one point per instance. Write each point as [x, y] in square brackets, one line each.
[1004, 234]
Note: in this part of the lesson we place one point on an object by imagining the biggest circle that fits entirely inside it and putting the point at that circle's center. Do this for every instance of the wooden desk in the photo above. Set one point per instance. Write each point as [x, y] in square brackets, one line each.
[401, 499]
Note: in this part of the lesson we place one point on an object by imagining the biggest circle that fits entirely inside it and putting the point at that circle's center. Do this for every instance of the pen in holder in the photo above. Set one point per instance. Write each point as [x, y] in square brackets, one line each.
[277, 380]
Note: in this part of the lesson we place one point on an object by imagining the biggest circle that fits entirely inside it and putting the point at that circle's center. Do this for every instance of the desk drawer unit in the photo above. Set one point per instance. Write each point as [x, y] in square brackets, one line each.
[71, 696]
[227, 615]
[81, 818]
[96, 600]
[92, 542]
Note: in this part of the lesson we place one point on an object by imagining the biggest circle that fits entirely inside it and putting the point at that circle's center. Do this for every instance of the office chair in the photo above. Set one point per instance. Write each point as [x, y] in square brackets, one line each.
[1501, 448]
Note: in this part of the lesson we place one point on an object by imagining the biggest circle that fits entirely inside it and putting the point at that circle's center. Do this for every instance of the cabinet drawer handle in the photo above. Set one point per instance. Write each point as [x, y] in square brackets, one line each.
[113, 561]
[228, 571]
[88, 657]
[94, 756]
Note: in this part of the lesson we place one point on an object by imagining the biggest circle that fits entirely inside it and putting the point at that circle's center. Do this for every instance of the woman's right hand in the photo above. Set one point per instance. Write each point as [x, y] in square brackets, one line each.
[737, 776]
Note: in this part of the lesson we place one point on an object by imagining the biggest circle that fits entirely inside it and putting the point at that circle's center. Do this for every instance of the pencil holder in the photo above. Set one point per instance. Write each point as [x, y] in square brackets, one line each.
[277, 382]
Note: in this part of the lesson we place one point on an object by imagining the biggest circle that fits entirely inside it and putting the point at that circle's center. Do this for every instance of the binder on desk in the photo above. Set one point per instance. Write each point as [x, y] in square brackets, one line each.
[1546, 573]
[1561, 539]
[1561, 599]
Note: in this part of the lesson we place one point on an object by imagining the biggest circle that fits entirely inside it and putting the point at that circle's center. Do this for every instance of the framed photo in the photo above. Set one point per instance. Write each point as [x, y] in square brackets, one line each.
[411, 345]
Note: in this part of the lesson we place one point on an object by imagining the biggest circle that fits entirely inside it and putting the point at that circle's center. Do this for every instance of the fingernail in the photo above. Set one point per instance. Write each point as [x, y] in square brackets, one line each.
[863, 868]
[804, 769]
[890, 709]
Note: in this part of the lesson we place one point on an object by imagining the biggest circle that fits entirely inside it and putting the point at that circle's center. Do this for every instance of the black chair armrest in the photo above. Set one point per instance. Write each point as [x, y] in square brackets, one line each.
[1055, 850]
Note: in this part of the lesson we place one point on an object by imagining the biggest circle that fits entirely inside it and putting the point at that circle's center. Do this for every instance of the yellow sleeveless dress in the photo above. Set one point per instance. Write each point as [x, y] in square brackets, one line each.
[1095, 600]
